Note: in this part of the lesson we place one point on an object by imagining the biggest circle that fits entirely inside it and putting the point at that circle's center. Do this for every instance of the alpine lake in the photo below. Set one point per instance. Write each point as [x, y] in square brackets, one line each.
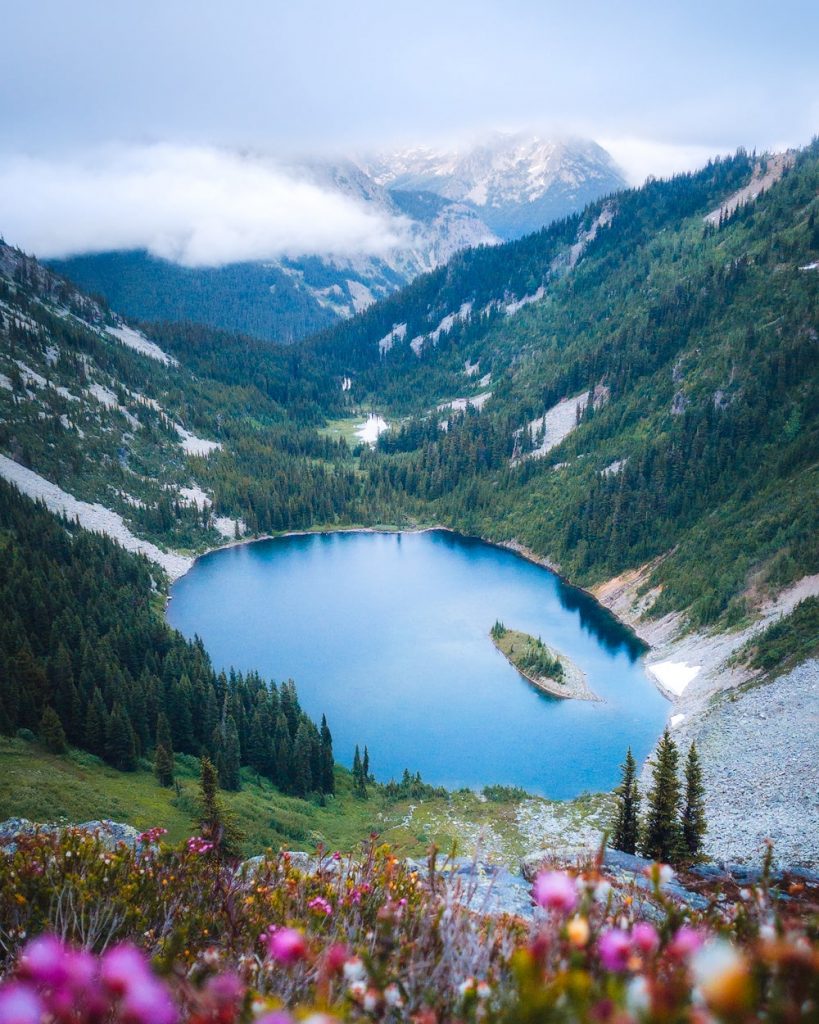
[387, 634]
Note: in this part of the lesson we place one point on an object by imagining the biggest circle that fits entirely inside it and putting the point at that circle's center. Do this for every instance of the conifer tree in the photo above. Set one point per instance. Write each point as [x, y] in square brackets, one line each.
[52, 734]
[662, 838]
[216, 823]
[120, 744]
[365, 765]
[626, 827]
[163, 766]
[694, 825]
[359, 782]
[328, 782]
[228, 755]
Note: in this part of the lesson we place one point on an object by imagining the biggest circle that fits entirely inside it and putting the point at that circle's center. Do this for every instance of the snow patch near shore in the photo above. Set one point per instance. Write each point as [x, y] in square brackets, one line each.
[371, 430]
[94, 517]
[674, 676]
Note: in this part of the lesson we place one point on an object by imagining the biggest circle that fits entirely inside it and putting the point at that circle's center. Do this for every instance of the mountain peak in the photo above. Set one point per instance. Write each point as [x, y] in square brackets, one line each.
[518, 181]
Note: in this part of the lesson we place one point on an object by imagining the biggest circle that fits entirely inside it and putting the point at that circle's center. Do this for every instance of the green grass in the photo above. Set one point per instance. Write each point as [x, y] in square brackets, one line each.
[344, 428]
[78, 787]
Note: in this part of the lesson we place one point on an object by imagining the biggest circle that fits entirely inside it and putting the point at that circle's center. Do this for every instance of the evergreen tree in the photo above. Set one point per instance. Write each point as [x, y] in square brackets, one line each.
[216, 823]
[120, 744]
[359, 781]
[96, 721]
[163, 733]
[52, 734]
[626, 827]
[693, 816]
[365, 765]
[662, 839]
[228, 755]
[328, 781]
[163, 765]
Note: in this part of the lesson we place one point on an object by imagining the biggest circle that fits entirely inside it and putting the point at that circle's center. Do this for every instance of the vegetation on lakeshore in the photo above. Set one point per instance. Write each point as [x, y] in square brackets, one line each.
[674, 826]
[159, 935]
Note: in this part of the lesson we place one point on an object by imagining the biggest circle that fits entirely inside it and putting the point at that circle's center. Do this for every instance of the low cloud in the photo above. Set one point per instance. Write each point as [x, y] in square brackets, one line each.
[197, 206]
[640, 158]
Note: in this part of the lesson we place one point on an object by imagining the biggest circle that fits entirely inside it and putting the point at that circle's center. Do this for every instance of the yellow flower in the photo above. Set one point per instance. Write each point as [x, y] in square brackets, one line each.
[578, 931]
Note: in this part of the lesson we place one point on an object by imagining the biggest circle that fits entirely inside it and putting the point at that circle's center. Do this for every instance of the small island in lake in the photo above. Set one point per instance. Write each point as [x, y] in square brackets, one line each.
[543, 667]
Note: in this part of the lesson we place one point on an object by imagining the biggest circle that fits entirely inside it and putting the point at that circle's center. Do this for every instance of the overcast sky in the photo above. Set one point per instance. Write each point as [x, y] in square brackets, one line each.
[661, 84]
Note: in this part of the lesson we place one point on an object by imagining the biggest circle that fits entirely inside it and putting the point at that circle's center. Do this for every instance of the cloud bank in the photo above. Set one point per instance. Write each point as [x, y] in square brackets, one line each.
[194, 205]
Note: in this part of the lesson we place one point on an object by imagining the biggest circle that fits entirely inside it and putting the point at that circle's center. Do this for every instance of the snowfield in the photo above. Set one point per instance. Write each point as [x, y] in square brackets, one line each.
[371, 430]
[137, 341]
[95, 517]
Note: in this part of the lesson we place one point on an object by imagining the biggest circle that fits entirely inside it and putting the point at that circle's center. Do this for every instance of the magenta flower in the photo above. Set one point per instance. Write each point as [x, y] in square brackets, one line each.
[225, 989]
[148, 1001]
[614, 949]
[286, 945]
[44, 960]
[123, 967]
[321, 906]
[555, 890]
[644, 937]
[687, 941]
[198, 845]
[20, 1004]
[276, 1017]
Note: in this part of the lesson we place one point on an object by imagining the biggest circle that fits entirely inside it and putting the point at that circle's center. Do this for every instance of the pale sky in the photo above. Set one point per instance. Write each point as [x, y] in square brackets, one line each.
[96, 84]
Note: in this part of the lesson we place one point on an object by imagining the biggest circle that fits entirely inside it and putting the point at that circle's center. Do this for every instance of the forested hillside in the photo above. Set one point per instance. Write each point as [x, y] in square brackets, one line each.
[86, 659]
[696, 338]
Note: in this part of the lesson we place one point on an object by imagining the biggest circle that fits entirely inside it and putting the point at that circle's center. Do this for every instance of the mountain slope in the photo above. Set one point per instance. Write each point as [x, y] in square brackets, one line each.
[517, 183]
[526, 183]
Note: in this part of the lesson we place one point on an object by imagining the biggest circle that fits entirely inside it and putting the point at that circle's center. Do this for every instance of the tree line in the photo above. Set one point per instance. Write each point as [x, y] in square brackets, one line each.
[86, 659]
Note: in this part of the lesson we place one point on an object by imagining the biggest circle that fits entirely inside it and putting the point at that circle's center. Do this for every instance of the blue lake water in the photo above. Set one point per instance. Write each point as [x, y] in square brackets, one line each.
[388, 635]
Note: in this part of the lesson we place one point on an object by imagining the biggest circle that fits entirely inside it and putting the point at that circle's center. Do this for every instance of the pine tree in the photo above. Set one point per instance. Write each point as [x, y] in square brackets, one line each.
[328, 780]
[359, 780]
[120, 744]
[52, 734]
[694, 825]
[626, 827]
[216, 823]
[365, 765]
[662, 839]
[163, 766]
[228, 755]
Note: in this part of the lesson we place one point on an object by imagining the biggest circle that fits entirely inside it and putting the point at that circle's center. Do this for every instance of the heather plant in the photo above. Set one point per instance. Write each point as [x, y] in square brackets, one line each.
[94, 931]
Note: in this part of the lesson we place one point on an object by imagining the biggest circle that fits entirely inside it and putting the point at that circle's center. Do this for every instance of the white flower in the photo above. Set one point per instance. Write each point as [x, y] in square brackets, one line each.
[601, 891]
[666, 874]
[466, 986]
[371, 1001]
[392, 996]
[483, 990]
[637, 999]
[354, 970]
[357, 989]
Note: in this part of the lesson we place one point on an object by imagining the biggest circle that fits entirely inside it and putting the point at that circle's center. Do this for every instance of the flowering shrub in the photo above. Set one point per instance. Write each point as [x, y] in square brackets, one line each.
[90, 934]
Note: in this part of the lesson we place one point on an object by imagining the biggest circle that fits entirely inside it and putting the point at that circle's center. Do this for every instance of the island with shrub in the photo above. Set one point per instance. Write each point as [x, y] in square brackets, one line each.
[539, 664]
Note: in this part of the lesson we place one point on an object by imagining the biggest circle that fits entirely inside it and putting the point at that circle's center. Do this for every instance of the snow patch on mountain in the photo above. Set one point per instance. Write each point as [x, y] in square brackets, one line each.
[93, 517]
[137, 341]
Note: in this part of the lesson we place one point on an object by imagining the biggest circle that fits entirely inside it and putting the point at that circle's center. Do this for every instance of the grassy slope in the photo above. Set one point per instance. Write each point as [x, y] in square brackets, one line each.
[79, 787]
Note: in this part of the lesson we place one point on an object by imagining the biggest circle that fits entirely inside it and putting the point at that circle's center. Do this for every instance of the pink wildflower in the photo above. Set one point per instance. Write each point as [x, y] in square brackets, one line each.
[225, 989]
[148, 1001]
[276, 1017]
[335, 958]
[44, 961]
[555, 890]
[20, 1004]
[614, 948]
[320, 905]
[286, 945]
[198, 845]
[123, 967]
[686, 942]
[644, 937]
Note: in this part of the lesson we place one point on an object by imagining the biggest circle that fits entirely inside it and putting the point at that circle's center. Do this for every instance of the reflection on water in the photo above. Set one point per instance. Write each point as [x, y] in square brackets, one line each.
[388, 634]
